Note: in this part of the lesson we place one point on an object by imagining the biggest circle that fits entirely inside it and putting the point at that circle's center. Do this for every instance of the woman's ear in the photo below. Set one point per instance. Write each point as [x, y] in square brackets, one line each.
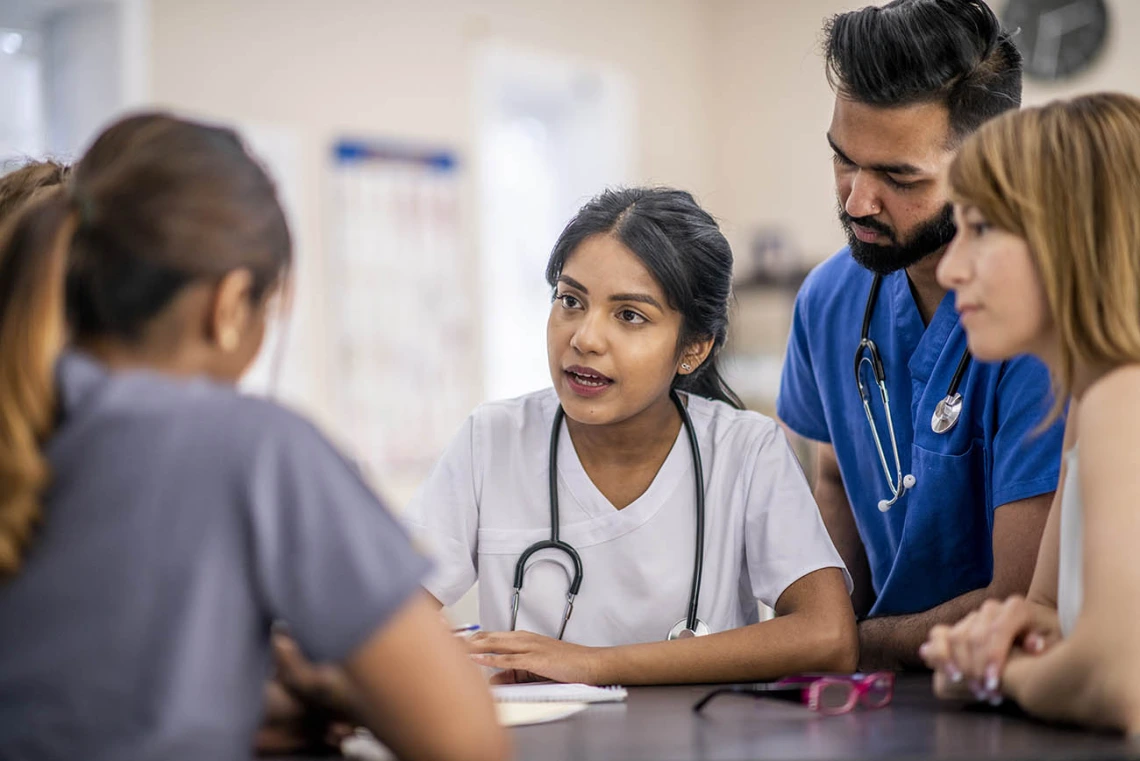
[694, 356]
[231, 311]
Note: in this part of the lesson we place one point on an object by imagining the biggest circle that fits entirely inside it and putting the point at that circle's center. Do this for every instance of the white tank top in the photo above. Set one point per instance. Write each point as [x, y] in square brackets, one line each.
[1070, 588]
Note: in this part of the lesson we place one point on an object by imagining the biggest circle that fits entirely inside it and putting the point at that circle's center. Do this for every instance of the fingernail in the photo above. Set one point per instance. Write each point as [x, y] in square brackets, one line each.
[992, 679]
[923, 649]
[995, 700]
[1035, 643]
[978, 693]
[953, 673]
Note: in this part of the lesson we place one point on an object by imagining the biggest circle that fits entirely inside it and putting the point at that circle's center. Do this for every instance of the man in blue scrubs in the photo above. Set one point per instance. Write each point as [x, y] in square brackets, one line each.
[912, 80]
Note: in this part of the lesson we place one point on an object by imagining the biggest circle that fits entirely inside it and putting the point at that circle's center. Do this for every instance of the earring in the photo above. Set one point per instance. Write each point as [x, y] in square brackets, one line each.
[686, 366]
[228, 339]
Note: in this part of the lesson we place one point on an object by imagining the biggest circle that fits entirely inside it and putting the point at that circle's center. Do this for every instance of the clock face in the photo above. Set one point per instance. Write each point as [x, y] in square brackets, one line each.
[1057, 38]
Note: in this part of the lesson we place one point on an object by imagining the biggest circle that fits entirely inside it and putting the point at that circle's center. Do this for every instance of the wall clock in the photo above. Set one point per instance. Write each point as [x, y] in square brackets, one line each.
[1057, 38]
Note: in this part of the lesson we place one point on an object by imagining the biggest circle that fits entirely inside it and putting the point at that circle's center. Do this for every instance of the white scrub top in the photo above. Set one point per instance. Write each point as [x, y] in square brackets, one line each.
[487, 500]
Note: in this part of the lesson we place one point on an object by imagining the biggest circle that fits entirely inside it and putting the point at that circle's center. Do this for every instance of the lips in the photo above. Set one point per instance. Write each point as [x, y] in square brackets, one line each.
[865, 234]
[966, 309]
[586, 381]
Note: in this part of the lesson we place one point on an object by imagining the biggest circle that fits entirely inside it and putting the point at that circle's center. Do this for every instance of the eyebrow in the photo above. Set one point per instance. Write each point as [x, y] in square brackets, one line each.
[641, 298]
[904, 169]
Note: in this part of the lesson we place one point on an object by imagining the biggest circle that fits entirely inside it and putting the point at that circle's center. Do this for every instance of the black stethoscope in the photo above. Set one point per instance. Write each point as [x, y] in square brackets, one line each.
[946, 413]
[690, 626]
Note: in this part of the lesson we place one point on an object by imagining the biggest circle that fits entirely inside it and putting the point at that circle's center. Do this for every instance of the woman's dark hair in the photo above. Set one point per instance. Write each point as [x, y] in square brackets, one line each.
[155, 204]
[683, 248]
[952, 52]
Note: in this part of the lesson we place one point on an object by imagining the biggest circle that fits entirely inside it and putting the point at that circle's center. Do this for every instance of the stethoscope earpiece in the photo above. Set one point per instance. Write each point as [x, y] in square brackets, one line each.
[908, 483]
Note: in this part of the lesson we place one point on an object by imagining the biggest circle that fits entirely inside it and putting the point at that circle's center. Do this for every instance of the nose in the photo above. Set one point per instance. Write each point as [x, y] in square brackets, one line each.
[863, 199]
[590, 337]
[954, 270]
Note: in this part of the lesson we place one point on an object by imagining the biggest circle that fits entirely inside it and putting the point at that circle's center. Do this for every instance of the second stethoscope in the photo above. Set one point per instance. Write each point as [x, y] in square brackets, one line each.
[946, 413]
[690, 626]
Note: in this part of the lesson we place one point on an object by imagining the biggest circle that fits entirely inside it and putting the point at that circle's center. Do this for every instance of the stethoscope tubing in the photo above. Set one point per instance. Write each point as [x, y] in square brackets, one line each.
[868, 352]
[555, 543]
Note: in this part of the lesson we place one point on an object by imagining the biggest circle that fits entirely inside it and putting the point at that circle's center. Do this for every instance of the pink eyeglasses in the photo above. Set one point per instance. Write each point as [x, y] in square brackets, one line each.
[827, 694]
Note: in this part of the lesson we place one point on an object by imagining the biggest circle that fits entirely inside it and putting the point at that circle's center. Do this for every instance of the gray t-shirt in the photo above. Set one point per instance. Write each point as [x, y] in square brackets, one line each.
[182, 519]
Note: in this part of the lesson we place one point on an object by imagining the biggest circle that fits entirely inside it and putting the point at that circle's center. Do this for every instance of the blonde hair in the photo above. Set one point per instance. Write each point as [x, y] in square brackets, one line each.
[27, 403]
[1066, 178]
[28, 183]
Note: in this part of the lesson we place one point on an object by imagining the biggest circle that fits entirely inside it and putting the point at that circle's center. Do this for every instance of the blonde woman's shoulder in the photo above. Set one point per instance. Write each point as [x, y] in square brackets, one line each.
[1110, 412]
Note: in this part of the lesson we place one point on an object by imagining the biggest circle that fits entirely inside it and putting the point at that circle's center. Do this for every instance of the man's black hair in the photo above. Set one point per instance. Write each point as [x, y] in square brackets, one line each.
[922, 51]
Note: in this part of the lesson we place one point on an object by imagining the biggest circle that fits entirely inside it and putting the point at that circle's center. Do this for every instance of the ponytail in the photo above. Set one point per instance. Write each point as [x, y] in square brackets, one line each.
[33, 267]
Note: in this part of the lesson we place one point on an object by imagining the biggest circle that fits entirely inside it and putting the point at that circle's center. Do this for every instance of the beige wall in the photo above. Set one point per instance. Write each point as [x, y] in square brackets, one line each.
[731, 98]
[770, 109]
[402, 69]
[732, 101]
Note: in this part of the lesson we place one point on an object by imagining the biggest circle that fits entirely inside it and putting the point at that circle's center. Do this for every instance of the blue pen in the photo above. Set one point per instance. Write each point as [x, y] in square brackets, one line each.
[465, 629]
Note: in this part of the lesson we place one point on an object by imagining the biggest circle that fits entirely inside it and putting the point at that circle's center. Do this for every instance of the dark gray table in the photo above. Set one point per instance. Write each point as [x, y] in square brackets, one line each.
[657, 724]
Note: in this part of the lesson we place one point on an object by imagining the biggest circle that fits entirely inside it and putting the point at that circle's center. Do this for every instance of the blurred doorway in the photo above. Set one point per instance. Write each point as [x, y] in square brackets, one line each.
[551, 133]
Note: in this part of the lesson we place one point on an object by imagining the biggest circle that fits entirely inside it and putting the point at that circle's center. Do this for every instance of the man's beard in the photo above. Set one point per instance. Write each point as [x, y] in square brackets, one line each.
[930, 236]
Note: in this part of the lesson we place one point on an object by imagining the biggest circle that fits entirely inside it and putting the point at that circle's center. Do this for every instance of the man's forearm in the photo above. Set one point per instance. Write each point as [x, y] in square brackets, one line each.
[892, 642]
[835, 510]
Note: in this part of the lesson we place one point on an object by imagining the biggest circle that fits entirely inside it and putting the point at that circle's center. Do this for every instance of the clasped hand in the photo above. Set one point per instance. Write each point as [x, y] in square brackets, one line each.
[969, 657]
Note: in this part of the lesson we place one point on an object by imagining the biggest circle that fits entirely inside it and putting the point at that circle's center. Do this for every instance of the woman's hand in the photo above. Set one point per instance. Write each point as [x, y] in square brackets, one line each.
[289, 727]
[321, 686]
[969, 657]
[308, 707]
[526, 656]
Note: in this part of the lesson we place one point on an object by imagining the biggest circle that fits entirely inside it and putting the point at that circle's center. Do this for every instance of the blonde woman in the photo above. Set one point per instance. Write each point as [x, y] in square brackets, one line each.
[1047, 262]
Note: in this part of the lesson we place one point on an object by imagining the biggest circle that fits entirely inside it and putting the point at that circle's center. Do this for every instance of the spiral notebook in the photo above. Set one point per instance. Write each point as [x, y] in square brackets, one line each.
[553, 692]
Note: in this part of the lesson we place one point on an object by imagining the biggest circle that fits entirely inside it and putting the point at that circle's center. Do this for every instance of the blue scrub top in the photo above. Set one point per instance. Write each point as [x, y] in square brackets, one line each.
[936, 542]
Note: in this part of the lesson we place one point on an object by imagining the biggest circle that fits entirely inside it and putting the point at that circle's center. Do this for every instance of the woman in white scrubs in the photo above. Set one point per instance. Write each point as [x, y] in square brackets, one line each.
[642, 281]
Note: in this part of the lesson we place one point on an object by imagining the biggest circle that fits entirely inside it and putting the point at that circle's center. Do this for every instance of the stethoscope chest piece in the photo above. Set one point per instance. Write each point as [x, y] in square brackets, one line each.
[681, 630]
[946, 413]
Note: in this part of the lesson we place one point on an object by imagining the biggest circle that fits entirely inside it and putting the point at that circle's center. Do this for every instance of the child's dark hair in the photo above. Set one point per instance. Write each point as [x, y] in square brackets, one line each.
[918, 51]
[155, 204]
[683, 248]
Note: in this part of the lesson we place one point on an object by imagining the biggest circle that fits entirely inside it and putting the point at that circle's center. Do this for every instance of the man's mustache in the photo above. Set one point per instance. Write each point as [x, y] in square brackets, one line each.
[868, 222]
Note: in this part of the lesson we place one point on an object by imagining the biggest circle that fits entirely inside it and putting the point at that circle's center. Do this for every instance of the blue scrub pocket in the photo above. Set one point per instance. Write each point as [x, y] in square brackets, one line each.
[947, 540]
